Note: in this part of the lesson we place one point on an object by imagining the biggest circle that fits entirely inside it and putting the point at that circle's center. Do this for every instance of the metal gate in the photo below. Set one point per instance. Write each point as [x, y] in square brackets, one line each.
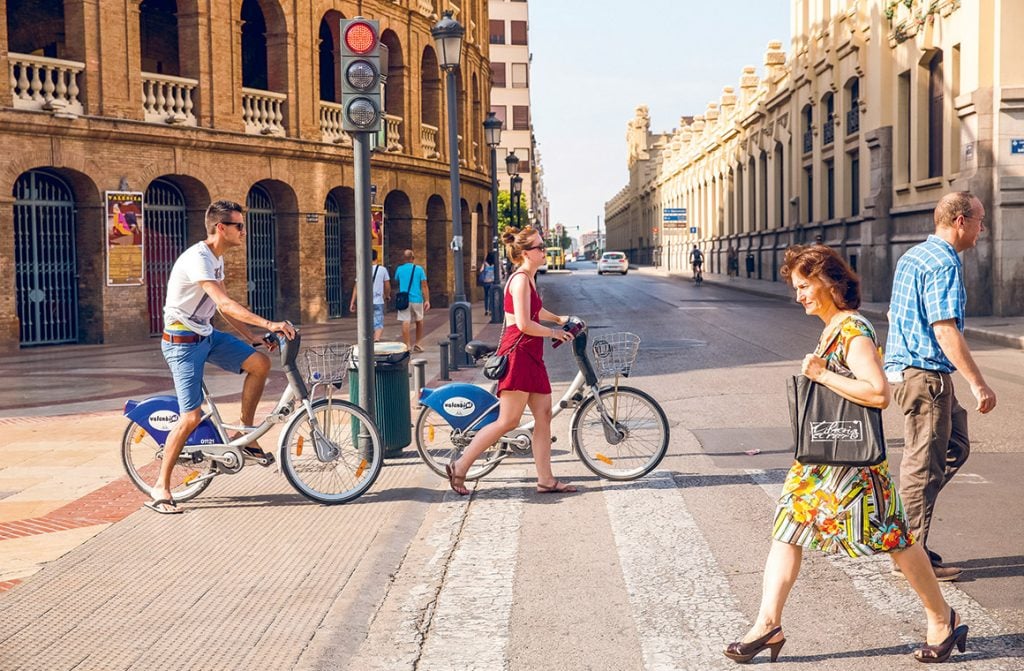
[332, 256]
[45, 259]
[166, 226]
[261, 250]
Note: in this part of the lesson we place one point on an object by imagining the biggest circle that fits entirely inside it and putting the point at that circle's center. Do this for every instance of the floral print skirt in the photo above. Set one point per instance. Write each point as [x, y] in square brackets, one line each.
[851, 509]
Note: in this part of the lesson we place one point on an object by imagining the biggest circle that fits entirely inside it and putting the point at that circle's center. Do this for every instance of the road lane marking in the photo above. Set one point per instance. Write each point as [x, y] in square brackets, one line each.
[469, 627]
[894, 598]
[682, 604]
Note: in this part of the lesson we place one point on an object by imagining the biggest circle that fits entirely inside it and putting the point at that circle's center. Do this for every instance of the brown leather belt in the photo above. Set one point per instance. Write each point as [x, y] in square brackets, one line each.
[182, 339]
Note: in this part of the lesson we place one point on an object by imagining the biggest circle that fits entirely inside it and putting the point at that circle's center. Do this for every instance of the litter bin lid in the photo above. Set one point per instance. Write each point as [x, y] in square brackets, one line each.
[384, 351]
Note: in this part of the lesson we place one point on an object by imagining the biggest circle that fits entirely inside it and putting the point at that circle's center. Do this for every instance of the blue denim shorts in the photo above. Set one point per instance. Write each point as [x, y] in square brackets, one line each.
[378, 316]
[187, 360]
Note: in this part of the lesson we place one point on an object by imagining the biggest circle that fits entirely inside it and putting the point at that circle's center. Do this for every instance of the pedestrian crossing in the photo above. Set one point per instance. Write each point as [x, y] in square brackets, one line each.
[451, 605]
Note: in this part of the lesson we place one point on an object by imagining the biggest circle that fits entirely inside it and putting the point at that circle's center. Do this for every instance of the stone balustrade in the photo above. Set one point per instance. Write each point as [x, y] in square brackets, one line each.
[167, 99]
[50, 84]
[428, 138]
[331, 124]
[262, 112]
[393, 135]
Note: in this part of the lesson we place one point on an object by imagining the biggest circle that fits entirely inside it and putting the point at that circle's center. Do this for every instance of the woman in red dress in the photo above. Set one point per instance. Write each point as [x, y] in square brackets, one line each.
[526, 382]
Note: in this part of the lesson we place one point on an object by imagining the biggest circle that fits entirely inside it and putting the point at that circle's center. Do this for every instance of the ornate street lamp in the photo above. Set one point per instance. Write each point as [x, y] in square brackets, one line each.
[517, 190]
[447, 34]
[492, 135]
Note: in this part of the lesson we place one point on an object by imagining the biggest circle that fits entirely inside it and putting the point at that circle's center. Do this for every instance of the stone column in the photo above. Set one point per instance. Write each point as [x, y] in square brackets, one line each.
[10, 326]
[876, 259]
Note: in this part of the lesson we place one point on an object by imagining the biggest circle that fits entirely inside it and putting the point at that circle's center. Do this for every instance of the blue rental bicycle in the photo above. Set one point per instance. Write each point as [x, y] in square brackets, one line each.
[330, 450]
[618, 432]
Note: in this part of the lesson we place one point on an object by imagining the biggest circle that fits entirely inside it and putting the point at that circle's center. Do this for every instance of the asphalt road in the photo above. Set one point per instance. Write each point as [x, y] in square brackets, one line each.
[660, 573]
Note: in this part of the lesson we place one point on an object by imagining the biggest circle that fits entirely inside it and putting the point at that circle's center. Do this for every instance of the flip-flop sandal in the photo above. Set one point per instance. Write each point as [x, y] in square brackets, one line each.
[155, 506]
[417, 348]
[558, 488]
[456, 482]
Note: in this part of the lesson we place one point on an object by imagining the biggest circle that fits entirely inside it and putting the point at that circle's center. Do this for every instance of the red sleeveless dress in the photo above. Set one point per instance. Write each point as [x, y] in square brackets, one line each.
[526, 371]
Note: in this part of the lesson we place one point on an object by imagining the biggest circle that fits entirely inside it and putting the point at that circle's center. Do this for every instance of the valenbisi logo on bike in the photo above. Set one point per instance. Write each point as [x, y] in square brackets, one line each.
[459, 406]
[163, 420]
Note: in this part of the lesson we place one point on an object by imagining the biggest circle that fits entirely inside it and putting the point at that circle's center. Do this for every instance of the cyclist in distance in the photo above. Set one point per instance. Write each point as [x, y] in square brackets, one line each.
[195, 291]
[526, 381]
[697, 263]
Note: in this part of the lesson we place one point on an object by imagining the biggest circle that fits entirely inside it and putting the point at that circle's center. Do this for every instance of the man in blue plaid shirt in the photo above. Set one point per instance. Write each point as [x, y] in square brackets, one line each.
[925, 345]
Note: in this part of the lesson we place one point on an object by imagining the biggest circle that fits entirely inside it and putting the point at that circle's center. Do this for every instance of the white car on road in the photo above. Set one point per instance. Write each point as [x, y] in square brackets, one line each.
[613, 262]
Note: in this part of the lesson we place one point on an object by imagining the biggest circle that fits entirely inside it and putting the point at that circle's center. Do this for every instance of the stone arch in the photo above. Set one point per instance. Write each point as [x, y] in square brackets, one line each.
[60, 301]
[394, 91]
[476, 129]
[272, 252]
[436, 257]
[397, 228]
[338, 250]
[430, 96]
[37, 26]
[158, 37]
[264, 36]
[329, 49]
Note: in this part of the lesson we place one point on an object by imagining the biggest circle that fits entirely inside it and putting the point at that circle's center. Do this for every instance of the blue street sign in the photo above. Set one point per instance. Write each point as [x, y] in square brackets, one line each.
[1017, 146]
[674, 215]
[693, 229]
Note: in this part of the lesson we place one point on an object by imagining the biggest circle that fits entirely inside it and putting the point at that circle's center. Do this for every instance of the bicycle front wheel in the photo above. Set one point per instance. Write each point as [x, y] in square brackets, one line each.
[644, 427]
[437, 448]
[141, 456]
[325, 458]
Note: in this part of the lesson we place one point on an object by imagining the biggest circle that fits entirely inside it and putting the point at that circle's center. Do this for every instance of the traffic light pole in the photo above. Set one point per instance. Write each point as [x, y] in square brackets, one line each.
[364, 273]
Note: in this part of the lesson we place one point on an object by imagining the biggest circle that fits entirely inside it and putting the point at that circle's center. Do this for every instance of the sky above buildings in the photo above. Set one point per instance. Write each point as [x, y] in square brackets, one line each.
[594, 62]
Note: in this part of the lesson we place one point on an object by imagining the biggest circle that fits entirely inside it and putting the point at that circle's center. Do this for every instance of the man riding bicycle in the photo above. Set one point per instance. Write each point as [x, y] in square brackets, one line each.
[697, 263]
[195, 291]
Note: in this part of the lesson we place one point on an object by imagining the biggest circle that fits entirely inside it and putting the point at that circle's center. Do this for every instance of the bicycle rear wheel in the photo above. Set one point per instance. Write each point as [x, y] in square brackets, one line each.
[328, 464]
[141, 456]
[642, 421]
[437, 448]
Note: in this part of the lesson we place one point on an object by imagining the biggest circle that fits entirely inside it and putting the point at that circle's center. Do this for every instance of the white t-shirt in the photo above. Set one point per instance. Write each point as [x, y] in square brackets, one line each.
[382, 276]
[186, 302]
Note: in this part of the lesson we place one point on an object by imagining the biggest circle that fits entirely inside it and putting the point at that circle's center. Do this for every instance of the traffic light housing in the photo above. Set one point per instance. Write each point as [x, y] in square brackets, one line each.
[361, 76]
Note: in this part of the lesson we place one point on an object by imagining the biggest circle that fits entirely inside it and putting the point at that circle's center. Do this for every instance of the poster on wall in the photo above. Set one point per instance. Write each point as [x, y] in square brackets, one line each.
[377, 232]
[123, 228]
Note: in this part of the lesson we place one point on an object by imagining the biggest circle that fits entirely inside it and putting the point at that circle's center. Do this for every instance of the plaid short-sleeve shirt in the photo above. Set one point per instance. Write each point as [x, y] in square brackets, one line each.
[928, 287]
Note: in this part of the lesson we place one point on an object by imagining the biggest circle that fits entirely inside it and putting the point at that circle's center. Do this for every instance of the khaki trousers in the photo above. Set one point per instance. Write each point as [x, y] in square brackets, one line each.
[936, 443]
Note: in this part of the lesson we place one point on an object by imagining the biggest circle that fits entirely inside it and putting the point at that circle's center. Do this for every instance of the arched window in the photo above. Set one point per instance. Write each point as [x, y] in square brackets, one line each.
[828, 111]
[329, 63]
[36, 27]
[936, 104]
[254, 46]
[158, 37]
[808, 128]
[853, 106]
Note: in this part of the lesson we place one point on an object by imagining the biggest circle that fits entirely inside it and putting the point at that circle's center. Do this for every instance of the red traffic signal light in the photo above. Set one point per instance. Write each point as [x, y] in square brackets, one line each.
[360, 37]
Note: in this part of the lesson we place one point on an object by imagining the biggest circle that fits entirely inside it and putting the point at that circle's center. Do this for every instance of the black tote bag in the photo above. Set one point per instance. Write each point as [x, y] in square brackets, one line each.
[829, 429]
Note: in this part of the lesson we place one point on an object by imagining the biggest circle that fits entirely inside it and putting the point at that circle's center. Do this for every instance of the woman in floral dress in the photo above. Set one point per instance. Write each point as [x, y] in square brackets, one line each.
[849, 509]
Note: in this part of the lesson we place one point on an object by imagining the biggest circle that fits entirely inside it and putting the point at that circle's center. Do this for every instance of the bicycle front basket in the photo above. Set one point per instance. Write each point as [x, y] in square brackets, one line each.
[615, 353]
[327, 364]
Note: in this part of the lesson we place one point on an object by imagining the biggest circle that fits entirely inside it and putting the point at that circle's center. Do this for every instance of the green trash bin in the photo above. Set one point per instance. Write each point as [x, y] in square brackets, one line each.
[391, 380]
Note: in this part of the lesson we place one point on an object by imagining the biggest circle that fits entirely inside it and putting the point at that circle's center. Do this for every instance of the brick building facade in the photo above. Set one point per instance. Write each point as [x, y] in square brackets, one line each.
[193, 101]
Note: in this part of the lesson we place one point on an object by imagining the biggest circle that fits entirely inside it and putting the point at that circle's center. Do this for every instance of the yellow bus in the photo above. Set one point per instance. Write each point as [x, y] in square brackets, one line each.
[555, 258]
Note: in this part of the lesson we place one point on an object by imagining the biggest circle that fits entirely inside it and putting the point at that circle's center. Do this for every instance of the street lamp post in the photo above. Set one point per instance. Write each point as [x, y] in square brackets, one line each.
[447, 34]
[512, 167]
[517, 191]
[492, 135]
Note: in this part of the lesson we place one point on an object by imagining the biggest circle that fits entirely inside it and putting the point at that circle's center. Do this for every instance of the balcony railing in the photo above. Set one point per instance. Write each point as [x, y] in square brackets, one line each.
[393, 133]
[167, 99]
[40, 83]
[808, 141]
[428, 138]
[828, 133]
[262, 112]
[463, 161]
[331, 124]
[425, 7]
[476, 154]
[853, 120]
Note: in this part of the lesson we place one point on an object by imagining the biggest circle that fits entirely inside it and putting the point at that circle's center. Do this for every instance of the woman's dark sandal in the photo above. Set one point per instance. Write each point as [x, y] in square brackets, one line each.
[163, 506]
[262, 458]
[936, 654]
[558, 488]
[456, 482]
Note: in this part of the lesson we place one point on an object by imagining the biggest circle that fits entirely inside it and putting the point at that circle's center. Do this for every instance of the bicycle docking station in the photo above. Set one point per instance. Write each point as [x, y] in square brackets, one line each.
[460, 324]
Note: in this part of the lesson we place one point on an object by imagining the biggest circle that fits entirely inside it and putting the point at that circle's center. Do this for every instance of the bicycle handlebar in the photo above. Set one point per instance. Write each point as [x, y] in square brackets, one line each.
[573, 325]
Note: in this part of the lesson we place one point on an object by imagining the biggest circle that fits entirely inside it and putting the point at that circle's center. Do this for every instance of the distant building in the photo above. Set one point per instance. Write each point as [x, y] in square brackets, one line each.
[880, 108]
[509, 27]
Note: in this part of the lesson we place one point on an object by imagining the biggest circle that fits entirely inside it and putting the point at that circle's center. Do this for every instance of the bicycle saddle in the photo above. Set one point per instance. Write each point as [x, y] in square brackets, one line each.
[478, 349]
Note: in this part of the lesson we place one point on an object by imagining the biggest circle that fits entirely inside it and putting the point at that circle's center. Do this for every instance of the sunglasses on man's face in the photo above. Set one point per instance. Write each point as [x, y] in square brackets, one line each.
[240, 225]
[526, 249]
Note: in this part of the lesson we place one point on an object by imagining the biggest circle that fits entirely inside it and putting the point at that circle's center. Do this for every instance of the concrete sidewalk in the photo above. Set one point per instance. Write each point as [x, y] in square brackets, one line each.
[1005, 331]
[61, 477]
